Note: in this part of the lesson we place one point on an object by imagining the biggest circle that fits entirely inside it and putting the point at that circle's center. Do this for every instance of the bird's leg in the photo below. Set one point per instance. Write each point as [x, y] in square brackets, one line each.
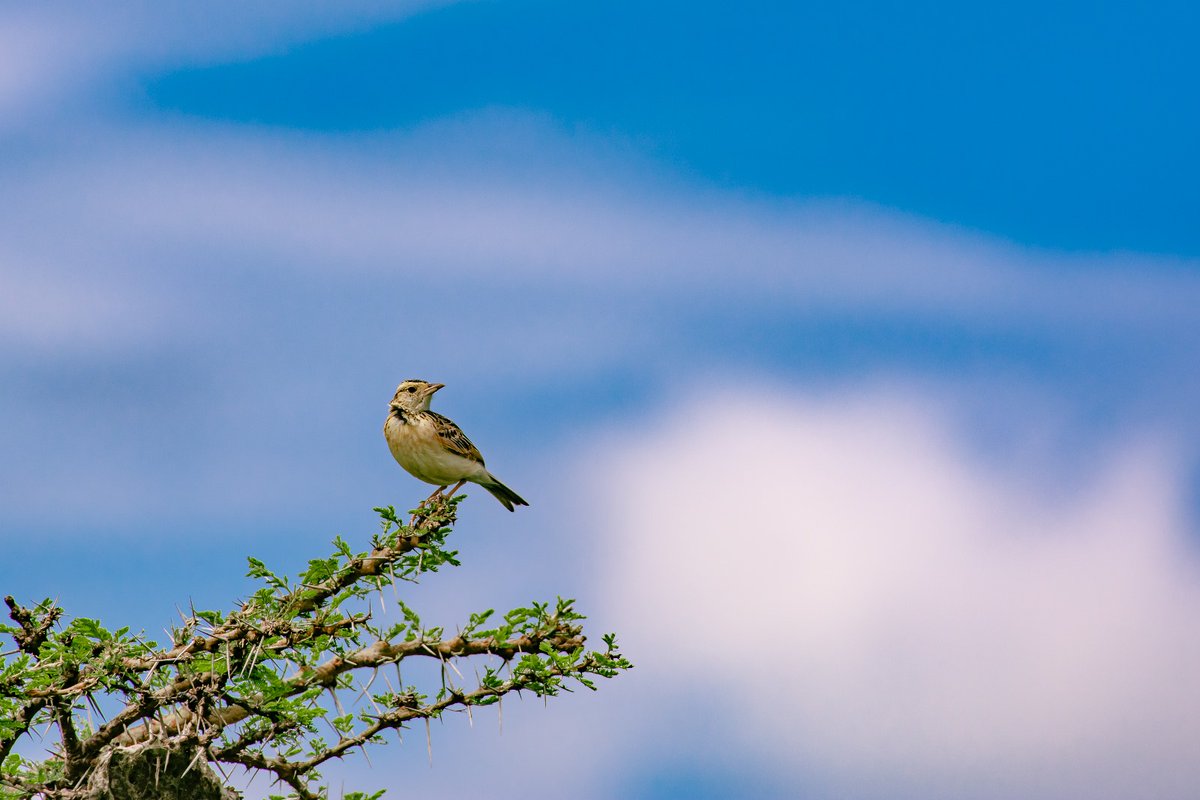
[457, 486]
[436, 492]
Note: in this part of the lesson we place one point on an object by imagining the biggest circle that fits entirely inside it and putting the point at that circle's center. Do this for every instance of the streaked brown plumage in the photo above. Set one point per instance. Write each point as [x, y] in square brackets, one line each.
[435, 450]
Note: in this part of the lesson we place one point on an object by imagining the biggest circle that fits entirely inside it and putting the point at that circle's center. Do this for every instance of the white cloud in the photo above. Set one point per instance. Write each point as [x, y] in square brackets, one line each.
[52, 57]
[44, 56]
[175, 33]
[43, 310]
[426, 203]
[497, 197]
[182, 241]
[866, 600]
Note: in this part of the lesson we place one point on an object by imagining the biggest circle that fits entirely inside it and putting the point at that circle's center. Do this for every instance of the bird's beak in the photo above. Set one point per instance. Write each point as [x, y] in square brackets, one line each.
[433, 387]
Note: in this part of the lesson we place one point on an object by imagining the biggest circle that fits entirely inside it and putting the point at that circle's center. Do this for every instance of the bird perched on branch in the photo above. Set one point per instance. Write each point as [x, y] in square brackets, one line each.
[434, 449]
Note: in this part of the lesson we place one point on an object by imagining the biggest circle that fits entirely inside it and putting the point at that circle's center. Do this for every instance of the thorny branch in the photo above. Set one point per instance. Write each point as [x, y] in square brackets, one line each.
[247, 688]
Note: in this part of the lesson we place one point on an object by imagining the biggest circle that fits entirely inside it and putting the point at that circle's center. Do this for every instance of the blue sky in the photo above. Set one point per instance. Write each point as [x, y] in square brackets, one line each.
[1066, 126]
[875, 324]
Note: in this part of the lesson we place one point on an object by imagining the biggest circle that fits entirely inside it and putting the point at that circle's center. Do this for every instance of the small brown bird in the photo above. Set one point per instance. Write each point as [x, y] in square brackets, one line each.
[433, 449]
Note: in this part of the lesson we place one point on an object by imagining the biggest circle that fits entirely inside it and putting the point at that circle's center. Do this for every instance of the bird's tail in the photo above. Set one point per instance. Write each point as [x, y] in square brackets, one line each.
[507, 497]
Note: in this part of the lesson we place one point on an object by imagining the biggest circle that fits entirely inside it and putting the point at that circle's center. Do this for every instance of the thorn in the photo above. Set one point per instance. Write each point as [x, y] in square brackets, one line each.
[199, 752]
[367, 688]
[370, 699]
[225, 774]
[429, 742]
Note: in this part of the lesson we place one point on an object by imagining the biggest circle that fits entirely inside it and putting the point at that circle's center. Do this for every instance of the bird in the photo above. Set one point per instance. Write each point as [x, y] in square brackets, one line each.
[433, 449]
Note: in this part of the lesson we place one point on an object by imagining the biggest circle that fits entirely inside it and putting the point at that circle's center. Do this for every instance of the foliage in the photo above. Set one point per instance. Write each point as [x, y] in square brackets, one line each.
[247, 688]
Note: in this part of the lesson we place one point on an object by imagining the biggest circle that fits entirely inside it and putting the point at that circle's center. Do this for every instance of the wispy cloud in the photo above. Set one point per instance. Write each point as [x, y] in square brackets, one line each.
[38, 56]
[401, 205]
[164, 244]
[46, 311]
[53, 58]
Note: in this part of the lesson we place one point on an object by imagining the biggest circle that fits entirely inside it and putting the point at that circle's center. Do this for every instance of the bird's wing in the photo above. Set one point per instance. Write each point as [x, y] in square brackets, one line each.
[453, 439]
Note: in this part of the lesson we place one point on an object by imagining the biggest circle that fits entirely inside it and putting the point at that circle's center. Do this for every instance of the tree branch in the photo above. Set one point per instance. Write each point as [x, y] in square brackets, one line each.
[378, 654]
[265, 666]
[33, 632]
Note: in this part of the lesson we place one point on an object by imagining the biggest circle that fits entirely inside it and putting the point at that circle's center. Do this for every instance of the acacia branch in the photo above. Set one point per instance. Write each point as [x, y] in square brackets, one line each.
[22, 720]
[221, 670]
[304, 600]
[116, 730]
[389, 720]
[72, 752]
[563, 639]
[33, 631]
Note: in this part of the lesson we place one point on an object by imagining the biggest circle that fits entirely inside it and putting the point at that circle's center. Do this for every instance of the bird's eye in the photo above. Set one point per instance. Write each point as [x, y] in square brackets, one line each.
[412, 388]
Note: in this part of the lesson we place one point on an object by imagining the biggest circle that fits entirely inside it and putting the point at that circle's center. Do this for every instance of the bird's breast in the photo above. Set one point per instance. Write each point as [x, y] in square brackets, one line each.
[416, 447]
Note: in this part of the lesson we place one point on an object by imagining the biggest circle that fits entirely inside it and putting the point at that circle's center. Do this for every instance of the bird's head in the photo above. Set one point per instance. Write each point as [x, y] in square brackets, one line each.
[414, 395]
